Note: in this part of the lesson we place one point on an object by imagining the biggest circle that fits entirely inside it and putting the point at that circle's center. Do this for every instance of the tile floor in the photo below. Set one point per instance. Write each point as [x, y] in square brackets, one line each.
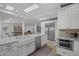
[47, 50]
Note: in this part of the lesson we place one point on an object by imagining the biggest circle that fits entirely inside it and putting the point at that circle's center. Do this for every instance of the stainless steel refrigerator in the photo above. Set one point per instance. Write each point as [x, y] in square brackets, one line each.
[50, 31]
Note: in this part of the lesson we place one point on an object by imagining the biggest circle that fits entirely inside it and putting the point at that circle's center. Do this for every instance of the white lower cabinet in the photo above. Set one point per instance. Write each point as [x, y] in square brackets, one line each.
[9, 49]
[26, 49]
[43, 40]
[64, 52]
[76, 48]
[30, 47]
[22, 50]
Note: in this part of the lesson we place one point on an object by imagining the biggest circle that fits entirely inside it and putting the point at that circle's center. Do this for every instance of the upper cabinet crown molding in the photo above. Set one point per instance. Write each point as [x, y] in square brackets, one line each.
[68, 18]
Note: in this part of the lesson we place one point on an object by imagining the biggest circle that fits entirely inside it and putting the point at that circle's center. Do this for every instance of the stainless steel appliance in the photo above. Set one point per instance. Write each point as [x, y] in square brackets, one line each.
[66, 44]
[50, 31]
[37, 42]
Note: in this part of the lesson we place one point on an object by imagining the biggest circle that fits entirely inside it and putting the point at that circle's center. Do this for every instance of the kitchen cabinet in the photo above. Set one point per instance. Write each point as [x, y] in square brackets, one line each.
[76, 48]
[68, 18]
[26, 49]
[74, 17]
[30, 47]
[64, 52]
[9, 49]
[63, 21]
[43, 39]
[26, 46]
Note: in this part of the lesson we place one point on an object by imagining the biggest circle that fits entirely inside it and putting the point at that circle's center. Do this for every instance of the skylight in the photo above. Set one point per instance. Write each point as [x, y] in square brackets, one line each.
[33, 7]
[10, 8]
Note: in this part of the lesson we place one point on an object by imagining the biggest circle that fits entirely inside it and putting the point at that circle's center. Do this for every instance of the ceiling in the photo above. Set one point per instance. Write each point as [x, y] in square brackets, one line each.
[45, 10]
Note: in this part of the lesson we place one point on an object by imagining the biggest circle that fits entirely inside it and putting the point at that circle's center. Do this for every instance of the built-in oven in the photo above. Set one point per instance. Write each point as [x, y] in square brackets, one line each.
[66, 44]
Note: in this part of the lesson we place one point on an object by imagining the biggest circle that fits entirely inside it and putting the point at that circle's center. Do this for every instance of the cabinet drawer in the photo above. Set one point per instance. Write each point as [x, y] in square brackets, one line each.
[26, 49]
[9, 49]
[22, 51]
[64, 52]
[24, 41]
[30, 47]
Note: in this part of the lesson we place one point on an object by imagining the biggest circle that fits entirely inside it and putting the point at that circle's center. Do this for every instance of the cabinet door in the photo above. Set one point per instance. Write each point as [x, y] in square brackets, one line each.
[63, 22]
[30, 47]
[8, 49]
[68, 18]
[76, 48]
[64, 52]
[22, 50]
[26, 49]
[43, 40]
[74, 18]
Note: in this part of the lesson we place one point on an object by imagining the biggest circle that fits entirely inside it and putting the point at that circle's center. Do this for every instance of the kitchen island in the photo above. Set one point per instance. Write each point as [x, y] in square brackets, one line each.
[18, 45]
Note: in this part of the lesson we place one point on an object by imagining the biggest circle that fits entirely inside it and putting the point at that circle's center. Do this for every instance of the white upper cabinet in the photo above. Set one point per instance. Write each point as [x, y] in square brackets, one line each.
[63, 19]
[74, 18]
[68, 18]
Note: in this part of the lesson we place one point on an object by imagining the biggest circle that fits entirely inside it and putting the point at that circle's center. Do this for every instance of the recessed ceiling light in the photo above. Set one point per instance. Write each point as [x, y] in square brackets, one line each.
[10, 8]
[33, 7]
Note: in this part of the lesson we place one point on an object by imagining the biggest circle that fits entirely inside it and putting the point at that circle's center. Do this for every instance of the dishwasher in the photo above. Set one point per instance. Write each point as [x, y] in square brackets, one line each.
[37, 42]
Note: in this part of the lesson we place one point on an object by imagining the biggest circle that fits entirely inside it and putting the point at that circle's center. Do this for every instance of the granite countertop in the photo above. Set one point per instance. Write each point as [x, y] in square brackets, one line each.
[7, 40]
[70, 38]
[31, 35]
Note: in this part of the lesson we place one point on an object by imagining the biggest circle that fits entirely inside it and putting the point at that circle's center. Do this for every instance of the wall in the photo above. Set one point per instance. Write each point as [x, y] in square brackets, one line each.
[30, 27]
[67, 32]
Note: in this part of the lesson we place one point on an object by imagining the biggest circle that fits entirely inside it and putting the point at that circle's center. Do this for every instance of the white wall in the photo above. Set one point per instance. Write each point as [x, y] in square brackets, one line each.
[29, 27]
